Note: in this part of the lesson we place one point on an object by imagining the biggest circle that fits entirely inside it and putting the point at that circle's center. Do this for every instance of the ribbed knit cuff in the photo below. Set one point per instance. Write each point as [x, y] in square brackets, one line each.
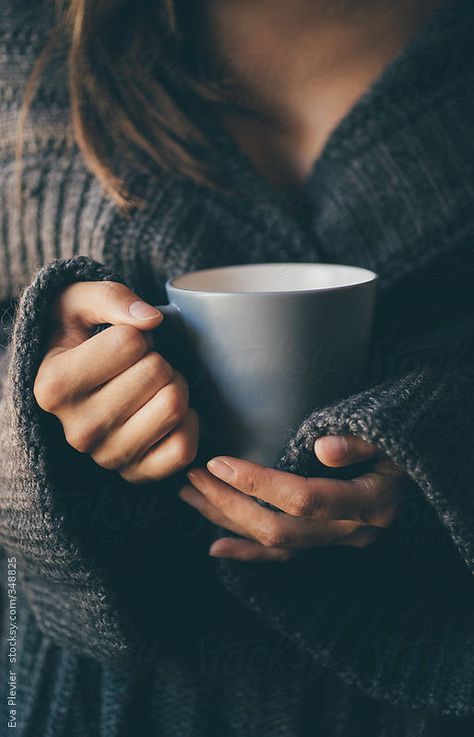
[70, 522]
[395, 618]
[421, 423]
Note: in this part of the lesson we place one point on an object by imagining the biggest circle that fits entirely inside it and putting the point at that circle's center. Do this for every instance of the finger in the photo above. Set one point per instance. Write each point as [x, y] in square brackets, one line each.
[65, 376]
[230, 547]
[123, 395]
[361, 538]
[297, 496]
[270, 528]
[370, 499]
[190, 495]
[164, 411]
[243, 515]
[170, 455]
[86, 304]
[367, 499]
[342, 450]
[292, 494]
[247, 551]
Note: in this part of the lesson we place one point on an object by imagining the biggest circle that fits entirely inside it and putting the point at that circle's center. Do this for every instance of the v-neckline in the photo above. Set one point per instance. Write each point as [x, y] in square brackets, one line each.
[343, 140]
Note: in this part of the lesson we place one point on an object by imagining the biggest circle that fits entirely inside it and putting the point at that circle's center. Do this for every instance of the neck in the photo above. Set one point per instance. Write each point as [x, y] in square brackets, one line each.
[281, 53]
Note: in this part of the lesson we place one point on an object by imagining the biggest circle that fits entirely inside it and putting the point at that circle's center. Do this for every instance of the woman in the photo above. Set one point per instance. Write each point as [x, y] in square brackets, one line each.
[145, 592]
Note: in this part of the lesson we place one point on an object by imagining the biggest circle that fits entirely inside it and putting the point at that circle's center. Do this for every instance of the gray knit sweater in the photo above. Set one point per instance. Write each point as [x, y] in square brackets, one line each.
[125, 625]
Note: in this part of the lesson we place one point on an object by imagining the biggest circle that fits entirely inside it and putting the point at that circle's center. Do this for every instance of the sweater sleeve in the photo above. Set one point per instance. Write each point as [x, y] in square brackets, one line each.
[394, 618]
[88, 544]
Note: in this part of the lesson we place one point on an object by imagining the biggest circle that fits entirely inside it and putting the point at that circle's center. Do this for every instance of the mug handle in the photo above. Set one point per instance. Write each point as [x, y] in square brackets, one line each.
[172, 342]
[169, 309]
[172, 318]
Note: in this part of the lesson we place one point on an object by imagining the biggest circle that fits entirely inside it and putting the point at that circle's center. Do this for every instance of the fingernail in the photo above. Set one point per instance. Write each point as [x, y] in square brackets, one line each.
[217, 550]
[142, 310]
[222, 469]
[334, 445]
[214, 550]
[187, 494]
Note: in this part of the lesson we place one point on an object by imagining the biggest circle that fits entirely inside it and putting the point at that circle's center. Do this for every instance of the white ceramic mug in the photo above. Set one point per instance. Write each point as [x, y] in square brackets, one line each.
[263, 345]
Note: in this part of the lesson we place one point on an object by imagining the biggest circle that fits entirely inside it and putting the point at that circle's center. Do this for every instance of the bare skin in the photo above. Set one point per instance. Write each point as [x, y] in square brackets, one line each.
[117, 399]
[313, 511]
[302, 64]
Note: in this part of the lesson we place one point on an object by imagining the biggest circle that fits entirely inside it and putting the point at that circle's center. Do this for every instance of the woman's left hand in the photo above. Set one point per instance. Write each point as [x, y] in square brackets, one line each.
[314, 511]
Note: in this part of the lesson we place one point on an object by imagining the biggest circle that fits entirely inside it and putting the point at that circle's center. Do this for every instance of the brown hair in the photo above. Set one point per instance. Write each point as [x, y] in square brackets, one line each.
[136, 69]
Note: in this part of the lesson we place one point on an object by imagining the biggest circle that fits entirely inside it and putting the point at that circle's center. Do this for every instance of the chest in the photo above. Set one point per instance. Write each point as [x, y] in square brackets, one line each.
[297, 73]
[281, 155]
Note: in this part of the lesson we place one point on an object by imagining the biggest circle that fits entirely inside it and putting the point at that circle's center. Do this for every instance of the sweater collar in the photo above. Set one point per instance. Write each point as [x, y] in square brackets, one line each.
[396, 173]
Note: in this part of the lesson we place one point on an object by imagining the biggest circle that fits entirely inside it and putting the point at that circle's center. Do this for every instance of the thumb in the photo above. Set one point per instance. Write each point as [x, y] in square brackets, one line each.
[343, 450]
[84, 305]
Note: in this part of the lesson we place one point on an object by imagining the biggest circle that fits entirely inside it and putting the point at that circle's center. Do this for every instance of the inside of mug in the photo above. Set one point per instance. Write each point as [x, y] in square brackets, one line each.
[279, 277]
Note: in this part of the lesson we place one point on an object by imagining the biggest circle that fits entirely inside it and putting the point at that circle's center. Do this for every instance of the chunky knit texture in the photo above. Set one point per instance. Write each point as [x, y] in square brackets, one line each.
[126, 626]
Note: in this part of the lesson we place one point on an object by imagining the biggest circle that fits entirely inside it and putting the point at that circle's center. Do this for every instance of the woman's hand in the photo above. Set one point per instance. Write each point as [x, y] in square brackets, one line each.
[117, 399]
[314, 511]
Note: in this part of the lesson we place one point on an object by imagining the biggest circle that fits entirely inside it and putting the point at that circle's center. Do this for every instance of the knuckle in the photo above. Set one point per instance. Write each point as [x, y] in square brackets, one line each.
[154, 367]
[251, 484]
[80, 438]
[107, 464]
[106, 460]
[128, 340]
[132, 474]
[185, 449]
[175, 403]
[52, 388]
[47, 390]
[300, 505]
[271, 537]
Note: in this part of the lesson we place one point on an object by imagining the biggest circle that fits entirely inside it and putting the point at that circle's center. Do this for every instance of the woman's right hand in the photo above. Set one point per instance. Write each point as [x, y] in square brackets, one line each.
[116, 398]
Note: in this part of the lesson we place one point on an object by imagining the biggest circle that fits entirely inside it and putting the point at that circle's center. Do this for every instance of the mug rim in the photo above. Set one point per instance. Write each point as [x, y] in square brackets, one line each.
[371, 277]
